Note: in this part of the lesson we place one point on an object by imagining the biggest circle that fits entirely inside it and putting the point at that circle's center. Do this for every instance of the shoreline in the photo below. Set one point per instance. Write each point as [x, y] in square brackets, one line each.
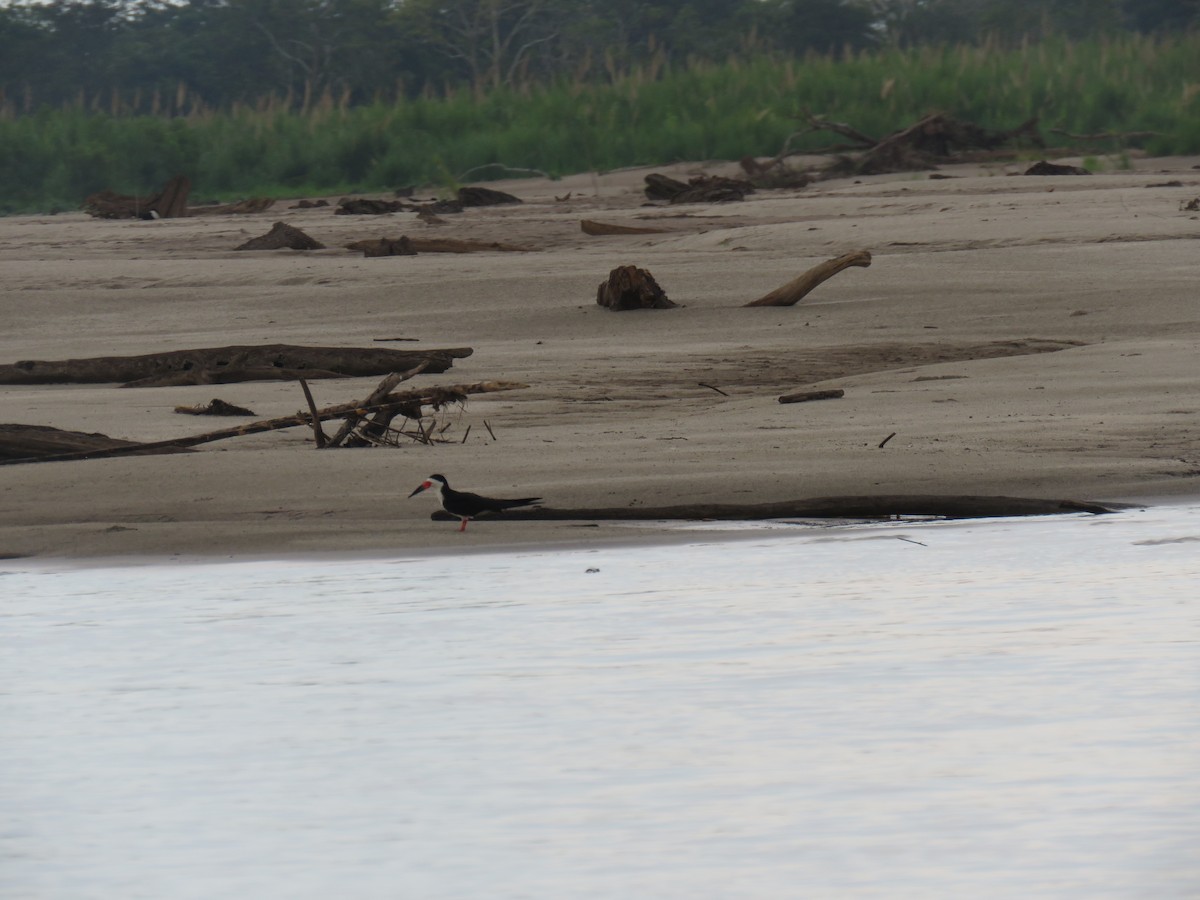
[1021, 336]
[653, 535]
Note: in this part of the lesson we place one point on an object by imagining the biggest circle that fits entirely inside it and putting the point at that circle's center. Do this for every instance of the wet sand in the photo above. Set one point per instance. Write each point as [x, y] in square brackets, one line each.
[1023, 336]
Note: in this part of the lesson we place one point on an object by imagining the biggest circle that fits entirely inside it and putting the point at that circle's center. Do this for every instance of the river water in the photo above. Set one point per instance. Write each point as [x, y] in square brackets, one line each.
[998, 708]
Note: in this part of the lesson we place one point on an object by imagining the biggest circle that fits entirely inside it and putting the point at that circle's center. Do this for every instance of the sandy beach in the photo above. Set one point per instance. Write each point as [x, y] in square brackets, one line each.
[1019, 335]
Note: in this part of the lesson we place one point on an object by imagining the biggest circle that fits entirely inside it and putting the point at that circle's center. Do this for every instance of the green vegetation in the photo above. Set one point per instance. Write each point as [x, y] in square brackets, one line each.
[55, 157]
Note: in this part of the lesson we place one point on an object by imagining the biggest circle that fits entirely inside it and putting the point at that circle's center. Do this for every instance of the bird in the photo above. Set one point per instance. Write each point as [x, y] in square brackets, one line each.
[464, 505]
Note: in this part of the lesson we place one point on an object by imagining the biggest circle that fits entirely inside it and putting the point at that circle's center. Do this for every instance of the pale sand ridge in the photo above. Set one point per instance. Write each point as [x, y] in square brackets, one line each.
[975, 266]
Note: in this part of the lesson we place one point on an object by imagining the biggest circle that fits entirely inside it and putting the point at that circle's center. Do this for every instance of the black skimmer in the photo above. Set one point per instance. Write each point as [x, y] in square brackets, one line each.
[467, 506]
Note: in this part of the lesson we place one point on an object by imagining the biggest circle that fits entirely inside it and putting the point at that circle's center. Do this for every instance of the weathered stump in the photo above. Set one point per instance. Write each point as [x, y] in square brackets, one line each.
[628, 287]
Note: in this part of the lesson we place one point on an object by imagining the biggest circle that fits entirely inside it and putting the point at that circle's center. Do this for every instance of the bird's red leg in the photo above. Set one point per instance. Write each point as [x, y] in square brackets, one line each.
[463, 526]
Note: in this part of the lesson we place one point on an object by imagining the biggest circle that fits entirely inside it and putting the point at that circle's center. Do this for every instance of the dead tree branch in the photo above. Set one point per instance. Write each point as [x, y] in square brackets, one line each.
[796, 289]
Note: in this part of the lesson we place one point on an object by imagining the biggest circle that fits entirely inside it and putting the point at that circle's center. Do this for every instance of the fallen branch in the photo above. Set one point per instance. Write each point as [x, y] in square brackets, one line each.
[318, 434]
[796, 289]
[434, 396]
[374, 398]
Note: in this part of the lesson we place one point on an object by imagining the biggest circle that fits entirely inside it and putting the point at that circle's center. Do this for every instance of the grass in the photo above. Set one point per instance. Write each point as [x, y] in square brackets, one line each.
[55, 157]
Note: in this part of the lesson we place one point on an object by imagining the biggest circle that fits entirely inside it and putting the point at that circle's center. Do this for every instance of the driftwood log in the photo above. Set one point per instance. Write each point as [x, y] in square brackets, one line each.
[19, 443]
[481, 196]
[222, 365]
[241, 207]
[699, 189]
[432, 396]
[406, 246]
[932, 140]
[599, 229]
[628, 287]
[169, 203]
[799, 287]
[806, 396]
[774, 174]
[881, 507]
[215, 407]
[400, 246]
[1048, 168]
[364, 206]
[282, 236]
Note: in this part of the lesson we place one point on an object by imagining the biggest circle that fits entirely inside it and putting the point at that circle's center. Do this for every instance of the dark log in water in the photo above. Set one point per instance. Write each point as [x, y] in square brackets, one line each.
[881, 507]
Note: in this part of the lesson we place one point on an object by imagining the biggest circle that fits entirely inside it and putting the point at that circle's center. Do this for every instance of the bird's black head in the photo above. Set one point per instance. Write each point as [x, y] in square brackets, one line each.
[430, 482]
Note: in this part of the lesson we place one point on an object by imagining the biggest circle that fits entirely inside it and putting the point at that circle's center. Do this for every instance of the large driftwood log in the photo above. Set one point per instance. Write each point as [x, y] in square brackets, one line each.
[169, 203]
[23, 442]
[255, 362]
[796, 289]
[881, 507]
[282, 236]
[432, 396]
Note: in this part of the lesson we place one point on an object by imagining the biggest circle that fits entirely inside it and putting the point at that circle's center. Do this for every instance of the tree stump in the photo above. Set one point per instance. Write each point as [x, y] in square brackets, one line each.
[629, 287]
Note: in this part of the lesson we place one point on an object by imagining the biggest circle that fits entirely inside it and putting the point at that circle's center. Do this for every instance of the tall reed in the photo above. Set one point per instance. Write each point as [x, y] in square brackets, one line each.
[285, 147]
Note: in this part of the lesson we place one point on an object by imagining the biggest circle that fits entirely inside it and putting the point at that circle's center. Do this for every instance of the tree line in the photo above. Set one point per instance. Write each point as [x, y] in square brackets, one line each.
[160, 55]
